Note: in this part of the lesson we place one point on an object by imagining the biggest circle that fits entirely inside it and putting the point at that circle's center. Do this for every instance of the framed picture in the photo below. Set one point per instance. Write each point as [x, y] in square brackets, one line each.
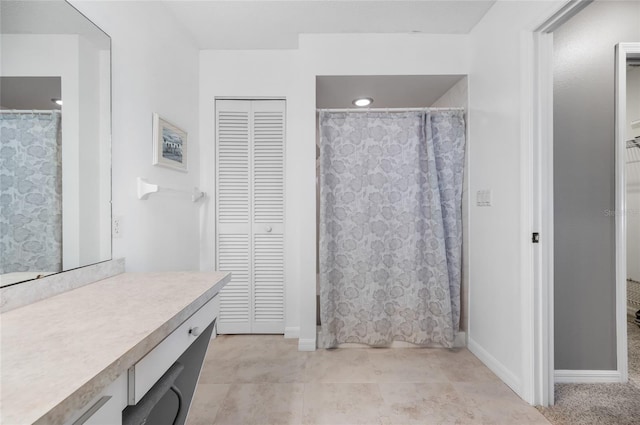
[169, 144]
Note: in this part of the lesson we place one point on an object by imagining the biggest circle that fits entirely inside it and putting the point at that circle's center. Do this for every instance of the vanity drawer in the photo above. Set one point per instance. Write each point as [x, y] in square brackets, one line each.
[144, 374]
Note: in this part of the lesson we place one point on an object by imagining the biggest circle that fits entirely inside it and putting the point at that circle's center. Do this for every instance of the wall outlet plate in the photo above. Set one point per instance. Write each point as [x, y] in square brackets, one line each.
[116, 227]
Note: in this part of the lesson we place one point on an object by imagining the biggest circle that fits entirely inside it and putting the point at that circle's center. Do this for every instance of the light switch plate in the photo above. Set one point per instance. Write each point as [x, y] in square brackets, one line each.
[483, 198]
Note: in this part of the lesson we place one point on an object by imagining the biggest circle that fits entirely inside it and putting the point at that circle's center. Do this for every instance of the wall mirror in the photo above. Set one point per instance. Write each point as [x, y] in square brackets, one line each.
[55, 129]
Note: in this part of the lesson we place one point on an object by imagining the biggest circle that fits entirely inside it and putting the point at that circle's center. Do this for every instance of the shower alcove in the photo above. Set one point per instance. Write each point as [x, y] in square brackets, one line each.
[395, 93]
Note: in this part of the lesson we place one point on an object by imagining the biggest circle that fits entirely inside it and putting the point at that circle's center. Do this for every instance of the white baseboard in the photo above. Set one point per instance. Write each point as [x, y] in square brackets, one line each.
[307, 344]
[292, 332]
[214, 332]
[495, 366]
[459, 342]
[586, 376]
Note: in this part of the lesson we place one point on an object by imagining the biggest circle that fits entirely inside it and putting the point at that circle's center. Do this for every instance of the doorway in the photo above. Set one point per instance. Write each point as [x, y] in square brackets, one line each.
[629, 137]
[581, 314]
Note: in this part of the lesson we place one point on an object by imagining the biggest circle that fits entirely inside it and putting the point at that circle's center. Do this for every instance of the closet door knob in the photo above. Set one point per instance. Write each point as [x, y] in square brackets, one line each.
[195, 331]
[268, 229]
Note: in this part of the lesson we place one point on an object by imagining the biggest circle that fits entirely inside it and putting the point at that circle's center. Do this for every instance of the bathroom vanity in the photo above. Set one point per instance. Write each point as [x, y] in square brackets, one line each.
[78, 347]
[83, 356]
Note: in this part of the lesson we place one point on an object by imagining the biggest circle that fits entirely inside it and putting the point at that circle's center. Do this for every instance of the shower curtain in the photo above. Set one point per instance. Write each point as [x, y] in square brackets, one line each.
[31, 199]
[390, 226]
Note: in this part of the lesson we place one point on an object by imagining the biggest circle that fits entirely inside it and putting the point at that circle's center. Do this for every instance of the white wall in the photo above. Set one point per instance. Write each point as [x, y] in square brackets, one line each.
[292, 74]
[633, 177]
[498, 325]
[458, 96]
[154, 69]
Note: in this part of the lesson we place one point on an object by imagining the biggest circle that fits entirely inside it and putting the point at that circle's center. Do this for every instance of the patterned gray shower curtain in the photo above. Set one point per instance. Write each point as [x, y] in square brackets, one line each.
[390, 226]
[31, 200]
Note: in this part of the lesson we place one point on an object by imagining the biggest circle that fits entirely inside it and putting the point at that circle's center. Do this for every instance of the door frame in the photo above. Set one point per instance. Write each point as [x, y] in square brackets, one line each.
[623, 51]
[541, 190]
[540, 167]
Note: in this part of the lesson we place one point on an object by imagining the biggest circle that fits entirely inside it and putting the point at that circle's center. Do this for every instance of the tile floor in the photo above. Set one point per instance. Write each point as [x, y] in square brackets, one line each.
[264, 379]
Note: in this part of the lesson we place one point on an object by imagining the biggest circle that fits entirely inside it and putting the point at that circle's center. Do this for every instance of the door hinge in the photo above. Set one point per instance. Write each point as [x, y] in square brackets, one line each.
[535, 237]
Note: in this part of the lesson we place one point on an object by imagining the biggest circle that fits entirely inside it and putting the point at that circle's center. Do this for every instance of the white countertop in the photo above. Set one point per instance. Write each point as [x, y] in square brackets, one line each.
[15, 277]
[59, 353]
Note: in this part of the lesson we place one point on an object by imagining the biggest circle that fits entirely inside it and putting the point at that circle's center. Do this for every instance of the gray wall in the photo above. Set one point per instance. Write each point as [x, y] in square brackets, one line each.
[585, 334]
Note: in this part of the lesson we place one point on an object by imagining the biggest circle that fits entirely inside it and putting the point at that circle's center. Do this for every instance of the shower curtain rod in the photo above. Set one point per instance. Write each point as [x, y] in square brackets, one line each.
[27, 111]
[388, 109]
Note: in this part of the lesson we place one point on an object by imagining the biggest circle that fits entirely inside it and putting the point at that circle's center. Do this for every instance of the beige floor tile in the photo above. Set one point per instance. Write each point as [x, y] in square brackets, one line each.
[243, 346]
[460, 365]
[430, 403]
[270, 381]
[495, 403]
[405, 365]
[262, 404]
[268, 360]
[342, 365]
[337, 404]
[286, 369]
[206, 402]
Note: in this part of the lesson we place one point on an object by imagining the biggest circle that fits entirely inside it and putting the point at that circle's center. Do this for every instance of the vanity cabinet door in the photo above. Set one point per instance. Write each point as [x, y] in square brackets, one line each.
[106, 409]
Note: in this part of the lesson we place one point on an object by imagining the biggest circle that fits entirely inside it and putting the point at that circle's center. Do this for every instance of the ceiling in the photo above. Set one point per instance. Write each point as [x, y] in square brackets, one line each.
[266, 24]
[29, 92]
[387, 91]
[48, 17]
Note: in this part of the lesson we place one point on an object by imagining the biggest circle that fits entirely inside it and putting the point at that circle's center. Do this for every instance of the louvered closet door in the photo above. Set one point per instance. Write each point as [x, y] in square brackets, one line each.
[268, 216]
[233, 210]
[250, 214]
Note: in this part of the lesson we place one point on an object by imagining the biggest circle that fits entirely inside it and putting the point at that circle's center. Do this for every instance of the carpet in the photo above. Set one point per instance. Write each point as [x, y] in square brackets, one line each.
[601, 404]
[633, 341]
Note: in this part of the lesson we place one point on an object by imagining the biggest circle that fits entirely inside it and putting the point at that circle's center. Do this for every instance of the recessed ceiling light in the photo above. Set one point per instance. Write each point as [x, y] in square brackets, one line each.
[57, 101]
[363, 101]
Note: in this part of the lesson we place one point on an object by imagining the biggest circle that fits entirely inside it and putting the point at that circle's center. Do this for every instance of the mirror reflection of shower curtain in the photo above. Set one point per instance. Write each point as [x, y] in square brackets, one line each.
[31, 197]
[391, 226]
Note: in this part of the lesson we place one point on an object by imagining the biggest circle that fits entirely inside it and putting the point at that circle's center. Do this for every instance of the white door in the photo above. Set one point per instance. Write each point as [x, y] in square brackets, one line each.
[250, 214]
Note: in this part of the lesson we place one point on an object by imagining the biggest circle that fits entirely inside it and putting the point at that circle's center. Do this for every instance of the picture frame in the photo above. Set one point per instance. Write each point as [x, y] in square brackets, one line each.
[170, 145]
